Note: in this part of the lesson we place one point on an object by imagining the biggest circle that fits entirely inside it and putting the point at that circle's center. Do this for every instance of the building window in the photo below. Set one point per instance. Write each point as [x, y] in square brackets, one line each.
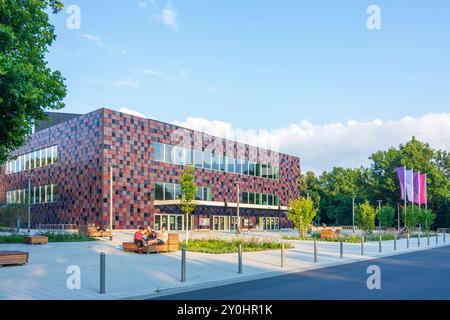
[179, 155]
[55, 154]
[177, 191]
[189, 156]
[245, 197]
[159, 191]
[168, 153]
[207, 160]
[169, 191]
[54, 193]
[276, 200]
[199, 194]
[215, 162]
[238, 168]
[223, 163]
[270, 199]
[198, 159]
[230, 164]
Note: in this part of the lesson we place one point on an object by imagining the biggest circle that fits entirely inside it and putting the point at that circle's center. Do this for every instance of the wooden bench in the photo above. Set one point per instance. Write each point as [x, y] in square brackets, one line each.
[36, 240]
[92, 232]
[172, 245]
[13, 257]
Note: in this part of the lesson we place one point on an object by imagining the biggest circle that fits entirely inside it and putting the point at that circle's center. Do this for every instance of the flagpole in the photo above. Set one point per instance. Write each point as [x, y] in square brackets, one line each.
[418, 175]
[426, 196]
[404, 178]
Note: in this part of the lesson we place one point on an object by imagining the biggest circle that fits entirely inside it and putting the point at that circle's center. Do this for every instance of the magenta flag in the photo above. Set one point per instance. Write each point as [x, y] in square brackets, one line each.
[423, 189]
[401, 179]
[419, 188]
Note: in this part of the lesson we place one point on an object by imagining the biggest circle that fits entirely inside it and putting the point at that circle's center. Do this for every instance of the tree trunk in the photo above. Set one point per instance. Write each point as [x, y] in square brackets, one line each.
[187, 228]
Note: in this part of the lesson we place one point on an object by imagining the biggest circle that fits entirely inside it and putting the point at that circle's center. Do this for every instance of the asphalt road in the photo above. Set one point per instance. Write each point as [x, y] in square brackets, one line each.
[419, 275]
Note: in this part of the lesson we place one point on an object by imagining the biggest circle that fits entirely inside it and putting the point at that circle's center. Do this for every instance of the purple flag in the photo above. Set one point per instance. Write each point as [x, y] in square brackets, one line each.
[401, 178]
[416, 187]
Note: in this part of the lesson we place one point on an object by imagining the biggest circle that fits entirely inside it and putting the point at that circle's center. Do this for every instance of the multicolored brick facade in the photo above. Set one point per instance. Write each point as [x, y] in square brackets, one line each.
[89, 144]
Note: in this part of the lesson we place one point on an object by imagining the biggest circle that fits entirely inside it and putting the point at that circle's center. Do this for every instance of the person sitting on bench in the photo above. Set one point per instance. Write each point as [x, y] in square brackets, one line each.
[139, 238]
[149, 234]
[161, 238]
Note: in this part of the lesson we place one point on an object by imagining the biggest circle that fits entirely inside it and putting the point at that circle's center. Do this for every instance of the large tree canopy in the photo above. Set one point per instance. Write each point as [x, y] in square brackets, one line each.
[27, 85]
[379, 181]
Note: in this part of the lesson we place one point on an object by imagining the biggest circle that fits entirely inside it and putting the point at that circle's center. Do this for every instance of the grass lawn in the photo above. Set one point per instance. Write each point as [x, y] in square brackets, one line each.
[51, 238]
[217, 246]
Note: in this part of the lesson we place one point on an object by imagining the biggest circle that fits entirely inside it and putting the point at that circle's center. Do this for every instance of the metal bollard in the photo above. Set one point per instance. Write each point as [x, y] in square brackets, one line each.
[362, 246]
[443, 234]
[379, 244]
[407, 241]
[102, 273]
[418, 240]
[428, 239]
[395, 242]
[315, 250]
[341, 249]
[183, 264]
[240, 258]
[282, 254]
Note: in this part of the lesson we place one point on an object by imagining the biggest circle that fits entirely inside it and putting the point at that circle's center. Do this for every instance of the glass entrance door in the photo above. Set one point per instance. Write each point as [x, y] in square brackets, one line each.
[220, 223]
[174, 222]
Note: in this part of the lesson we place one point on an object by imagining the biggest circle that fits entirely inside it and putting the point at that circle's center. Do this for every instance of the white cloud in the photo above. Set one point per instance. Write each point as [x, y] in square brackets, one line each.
[169, 17]
[99, 42]
[181, 74]
[132, 112]
[321, 147]
[158, 74]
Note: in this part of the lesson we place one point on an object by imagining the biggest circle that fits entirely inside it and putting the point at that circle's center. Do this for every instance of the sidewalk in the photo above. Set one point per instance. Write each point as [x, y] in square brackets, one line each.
[137, 276]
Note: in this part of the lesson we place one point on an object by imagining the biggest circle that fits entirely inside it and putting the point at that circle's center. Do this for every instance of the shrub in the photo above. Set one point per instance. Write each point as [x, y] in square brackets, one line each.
[386, 216]
[365, 217]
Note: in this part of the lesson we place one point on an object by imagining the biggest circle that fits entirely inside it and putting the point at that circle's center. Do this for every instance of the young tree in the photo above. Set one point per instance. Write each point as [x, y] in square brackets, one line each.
[301, 212]
[386, 216]
[426, 219]
[365, 216]
[188, 192]
[412, 217]
[27, 85]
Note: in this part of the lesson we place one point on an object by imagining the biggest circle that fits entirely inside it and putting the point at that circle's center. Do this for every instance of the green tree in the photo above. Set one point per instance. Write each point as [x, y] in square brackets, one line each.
[27, 85]
[188, 192]
[310, 183]
[337, 189]
[411, 217]
[365, 216]
[301, 212]
[386, 216]
[426, 219]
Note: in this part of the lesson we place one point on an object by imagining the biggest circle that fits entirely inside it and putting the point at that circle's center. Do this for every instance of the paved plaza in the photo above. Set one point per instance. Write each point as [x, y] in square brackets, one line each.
[137, 276]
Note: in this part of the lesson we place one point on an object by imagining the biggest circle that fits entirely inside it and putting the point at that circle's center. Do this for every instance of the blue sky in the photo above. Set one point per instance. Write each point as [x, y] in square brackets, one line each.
[257, 64]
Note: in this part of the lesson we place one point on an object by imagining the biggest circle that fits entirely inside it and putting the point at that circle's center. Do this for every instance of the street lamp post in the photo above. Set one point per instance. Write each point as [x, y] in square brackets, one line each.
[398, 215]
[29, 205]
[353, 213]
[379, 210]
[238, 224]
[29, 176]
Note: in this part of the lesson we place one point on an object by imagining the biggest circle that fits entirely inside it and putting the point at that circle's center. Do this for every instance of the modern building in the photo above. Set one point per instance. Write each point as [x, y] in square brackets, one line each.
[68, 163]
